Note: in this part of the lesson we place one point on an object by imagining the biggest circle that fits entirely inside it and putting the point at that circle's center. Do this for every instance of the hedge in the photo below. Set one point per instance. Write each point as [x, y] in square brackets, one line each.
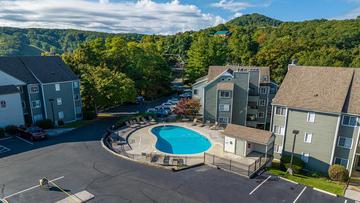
[297, 165]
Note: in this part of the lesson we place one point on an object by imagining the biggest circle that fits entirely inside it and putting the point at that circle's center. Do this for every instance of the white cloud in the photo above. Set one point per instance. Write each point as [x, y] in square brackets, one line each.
[237, 6]
[143, 16]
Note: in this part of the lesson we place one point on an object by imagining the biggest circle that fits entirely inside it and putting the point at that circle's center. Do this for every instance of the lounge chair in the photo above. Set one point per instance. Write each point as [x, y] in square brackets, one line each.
[140, 121]
[215, 127]
[134, 124]
[166, 161]
[194, 122]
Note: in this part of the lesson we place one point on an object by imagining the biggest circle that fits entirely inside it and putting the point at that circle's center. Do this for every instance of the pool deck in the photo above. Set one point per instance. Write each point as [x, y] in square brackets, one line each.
[143, 141]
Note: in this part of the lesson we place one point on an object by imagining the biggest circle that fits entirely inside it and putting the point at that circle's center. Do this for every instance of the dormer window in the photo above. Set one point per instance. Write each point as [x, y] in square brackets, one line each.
[225, 94]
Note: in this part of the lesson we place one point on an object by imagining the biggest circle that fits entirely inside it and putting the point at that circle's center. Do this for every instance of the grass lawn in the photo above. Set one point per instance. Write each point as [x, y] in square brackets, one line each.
[322, 183]
[78, 124]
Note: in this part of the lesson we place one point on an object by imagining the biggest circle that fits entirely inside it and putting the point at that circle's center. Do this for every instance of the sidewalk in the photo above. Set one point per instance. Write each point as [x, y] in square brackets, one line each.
[353, 190]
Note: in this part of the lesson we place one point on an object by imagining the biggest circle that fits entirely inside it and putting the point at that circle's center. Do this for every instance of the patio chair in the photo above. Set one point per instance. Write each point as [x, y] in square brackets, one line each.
[194, 122]
[134, 124]
[140, 121]
[166, 161]
[215, 127]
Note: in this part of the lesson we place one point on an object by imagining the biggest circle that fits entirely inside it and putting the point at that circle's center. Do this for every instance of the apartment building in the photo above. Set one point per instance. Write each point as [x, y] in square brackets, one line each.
[48, 88]
[322, 104]
[237, 95]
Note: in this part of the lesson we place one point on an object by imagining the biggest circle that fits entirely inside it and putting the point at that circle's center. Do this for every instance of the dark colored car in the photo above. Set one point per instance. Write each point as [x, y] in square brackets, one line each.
[32, 133]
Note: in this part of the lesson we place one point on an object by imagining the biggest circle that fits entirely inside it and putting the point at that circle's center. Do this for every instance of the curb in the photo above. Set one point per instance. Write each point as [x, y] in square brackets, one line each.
[188, 167]
[326, 192]
[291, 181]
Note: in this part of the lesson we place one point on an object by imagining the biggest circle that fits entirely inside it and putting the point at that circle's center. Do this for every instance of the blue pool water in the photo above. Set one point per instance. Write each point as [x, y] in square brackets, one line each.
[179, 140]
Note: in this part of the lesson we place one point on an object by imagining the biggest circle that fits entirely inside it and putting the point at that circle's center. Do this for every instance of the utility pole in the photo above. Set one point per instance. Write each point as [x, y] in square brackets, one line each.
[290, 170]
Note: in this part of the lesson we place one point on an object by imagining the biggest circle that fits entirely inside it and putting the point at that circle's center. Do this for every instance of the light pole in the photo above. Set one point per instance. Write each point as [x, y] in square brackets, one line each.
[289, 170]
[52, 109]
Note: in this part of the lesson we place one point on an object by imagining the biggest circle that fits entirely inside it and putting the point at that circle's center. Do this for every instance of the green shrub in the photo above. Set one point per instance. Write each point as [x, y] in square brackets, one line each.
[45, 124]
[89, 115]
[297, 165]
[338, 173]
[61, 123]
[2, 132]
[11, 129]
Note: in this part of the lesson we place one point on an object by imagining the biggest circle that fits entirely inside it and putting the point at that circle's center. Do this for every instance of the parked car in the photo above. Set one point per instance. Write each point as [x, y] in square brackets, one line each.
[151, 110]
[32, 133]
[139, 100]
[185, 96]
[173, 101]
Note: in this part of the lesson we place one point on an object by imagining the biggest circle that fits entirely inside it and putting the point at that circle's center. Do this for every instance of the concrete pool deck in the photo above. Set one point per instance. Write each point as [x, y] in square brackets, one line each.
[144, 141]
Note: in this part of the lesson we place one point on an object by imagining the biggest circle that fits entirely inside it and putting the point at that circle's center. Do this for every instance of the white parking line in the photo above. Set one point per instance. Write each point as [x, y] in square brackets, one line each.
[3, 149]
[25, 140]
[302, 191]
[259, 185]
[30, 188]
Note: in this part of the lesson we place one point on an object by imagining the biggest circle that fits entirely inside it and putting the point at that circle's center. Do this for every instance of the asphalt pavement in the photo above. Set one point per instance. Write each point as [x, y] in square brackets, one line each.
[76, 161]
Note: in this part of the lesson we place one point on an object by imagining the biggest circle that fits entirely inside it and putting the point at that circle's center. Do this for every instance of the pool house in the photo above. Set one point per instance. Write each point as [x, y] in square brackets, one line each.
[248, 142]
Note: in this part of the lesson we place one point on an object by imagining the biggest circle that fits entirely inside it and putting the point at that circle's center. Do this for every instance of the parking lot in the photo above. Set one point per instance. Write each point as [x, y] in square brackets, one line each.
[77, 162]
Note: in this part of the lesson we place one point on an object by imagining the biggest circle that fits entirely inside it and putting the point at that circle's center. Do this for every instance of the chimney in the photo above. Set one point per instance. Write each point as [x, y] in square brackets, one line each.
[293, 64]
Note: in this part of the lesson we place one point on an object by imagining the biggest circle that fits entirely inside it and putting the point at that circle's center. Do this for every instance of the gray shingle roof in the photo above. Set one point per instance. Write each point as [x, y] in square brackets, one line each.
[14, 66]
[214, 71]
[249, 134]
[8, 89]
[325, 89]
[47, 69]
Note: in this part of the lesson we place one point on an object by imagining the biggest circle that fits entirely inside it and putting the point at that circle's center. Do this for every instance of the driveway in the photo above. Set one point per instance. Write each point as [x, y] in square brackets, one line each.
[76, 162]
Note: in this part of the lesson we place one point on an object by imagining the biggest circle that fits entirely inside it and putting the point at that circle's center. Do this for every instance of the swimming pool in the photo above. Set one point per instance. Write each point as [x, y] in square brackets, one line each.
[179, 140]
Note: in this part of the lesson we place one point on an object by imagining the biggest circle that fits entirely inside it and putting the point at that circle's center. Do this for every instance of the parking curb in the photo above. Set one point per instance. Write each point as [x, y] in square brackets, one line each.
[291, 181]
[326, 192]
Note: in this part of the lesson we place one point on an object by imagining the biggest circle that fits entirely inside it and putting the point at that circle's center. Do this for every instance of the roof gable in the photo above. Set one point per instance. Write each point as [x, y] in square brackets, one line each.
[215, 71]
[14, 67]
[248, 134]
[315, 88]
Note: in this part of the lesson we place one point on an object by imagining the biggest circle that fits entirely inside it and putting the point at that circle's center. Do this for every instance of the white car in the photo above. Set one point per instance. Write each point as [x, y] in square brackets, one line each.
[151, 110]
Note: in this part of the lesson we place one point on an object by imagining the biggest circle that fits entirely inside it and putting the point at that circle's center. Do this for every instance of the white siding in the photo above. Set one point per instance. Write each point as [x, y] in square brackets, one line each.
[12, 114]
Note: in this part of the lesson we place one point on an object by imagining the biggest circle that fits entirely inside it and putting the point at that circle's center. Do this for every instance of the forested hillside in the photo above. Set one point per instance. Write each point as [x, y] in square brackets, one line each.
[140, 64]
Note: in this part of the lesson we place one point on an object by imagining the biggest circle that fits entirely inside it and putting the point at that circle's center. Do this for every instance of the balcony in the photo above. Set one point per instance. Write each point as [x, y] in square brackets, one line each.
[251, 117]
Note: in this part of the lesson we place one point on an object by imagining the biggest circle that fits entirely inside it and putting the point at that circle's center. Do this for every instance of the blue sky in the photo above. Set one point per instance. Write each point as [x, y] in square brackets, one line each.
[162, 16]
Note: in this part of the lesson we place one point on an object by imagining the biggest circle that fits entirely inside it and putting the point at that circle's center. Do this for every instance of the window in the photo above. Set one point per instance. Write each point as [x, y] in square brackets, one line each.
[77, 97]
[57, 87]
[225, 94]
[38, 117]
[3, 104]
[36, 104]
[76, 84]
[224, 120]
[59, 101]
[341, 161]
[262, 102]
[279, 130]
[278, 149]
[345, 142]
[349, 120]
[78, 109]
[305, 157]
[61, 115]
[263, 90]
[311, 117]
[224, 107]
[261, 115]
[280, 111]
[195, 92]
[34, 89]
[307, 137]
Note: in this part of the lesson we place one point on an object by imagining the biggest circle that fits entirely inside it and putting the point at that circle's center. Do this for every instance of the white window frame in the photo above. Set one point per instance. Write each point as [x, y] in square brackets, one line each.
[308, 137]
[346, 138]
[282, 111]
[341, 160]
[279, 149]
[305, 157]
[195, 92]
[37, 102]
[263, 114]
[223, 109]
[311, 117]
[281, 130]
[262, 102]
[61, 113]
[76, 84]
[263, 90]
[57, 87]
[31, 90]
[225, 97]
[349, 124]
[59, 101]
[224, 118]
